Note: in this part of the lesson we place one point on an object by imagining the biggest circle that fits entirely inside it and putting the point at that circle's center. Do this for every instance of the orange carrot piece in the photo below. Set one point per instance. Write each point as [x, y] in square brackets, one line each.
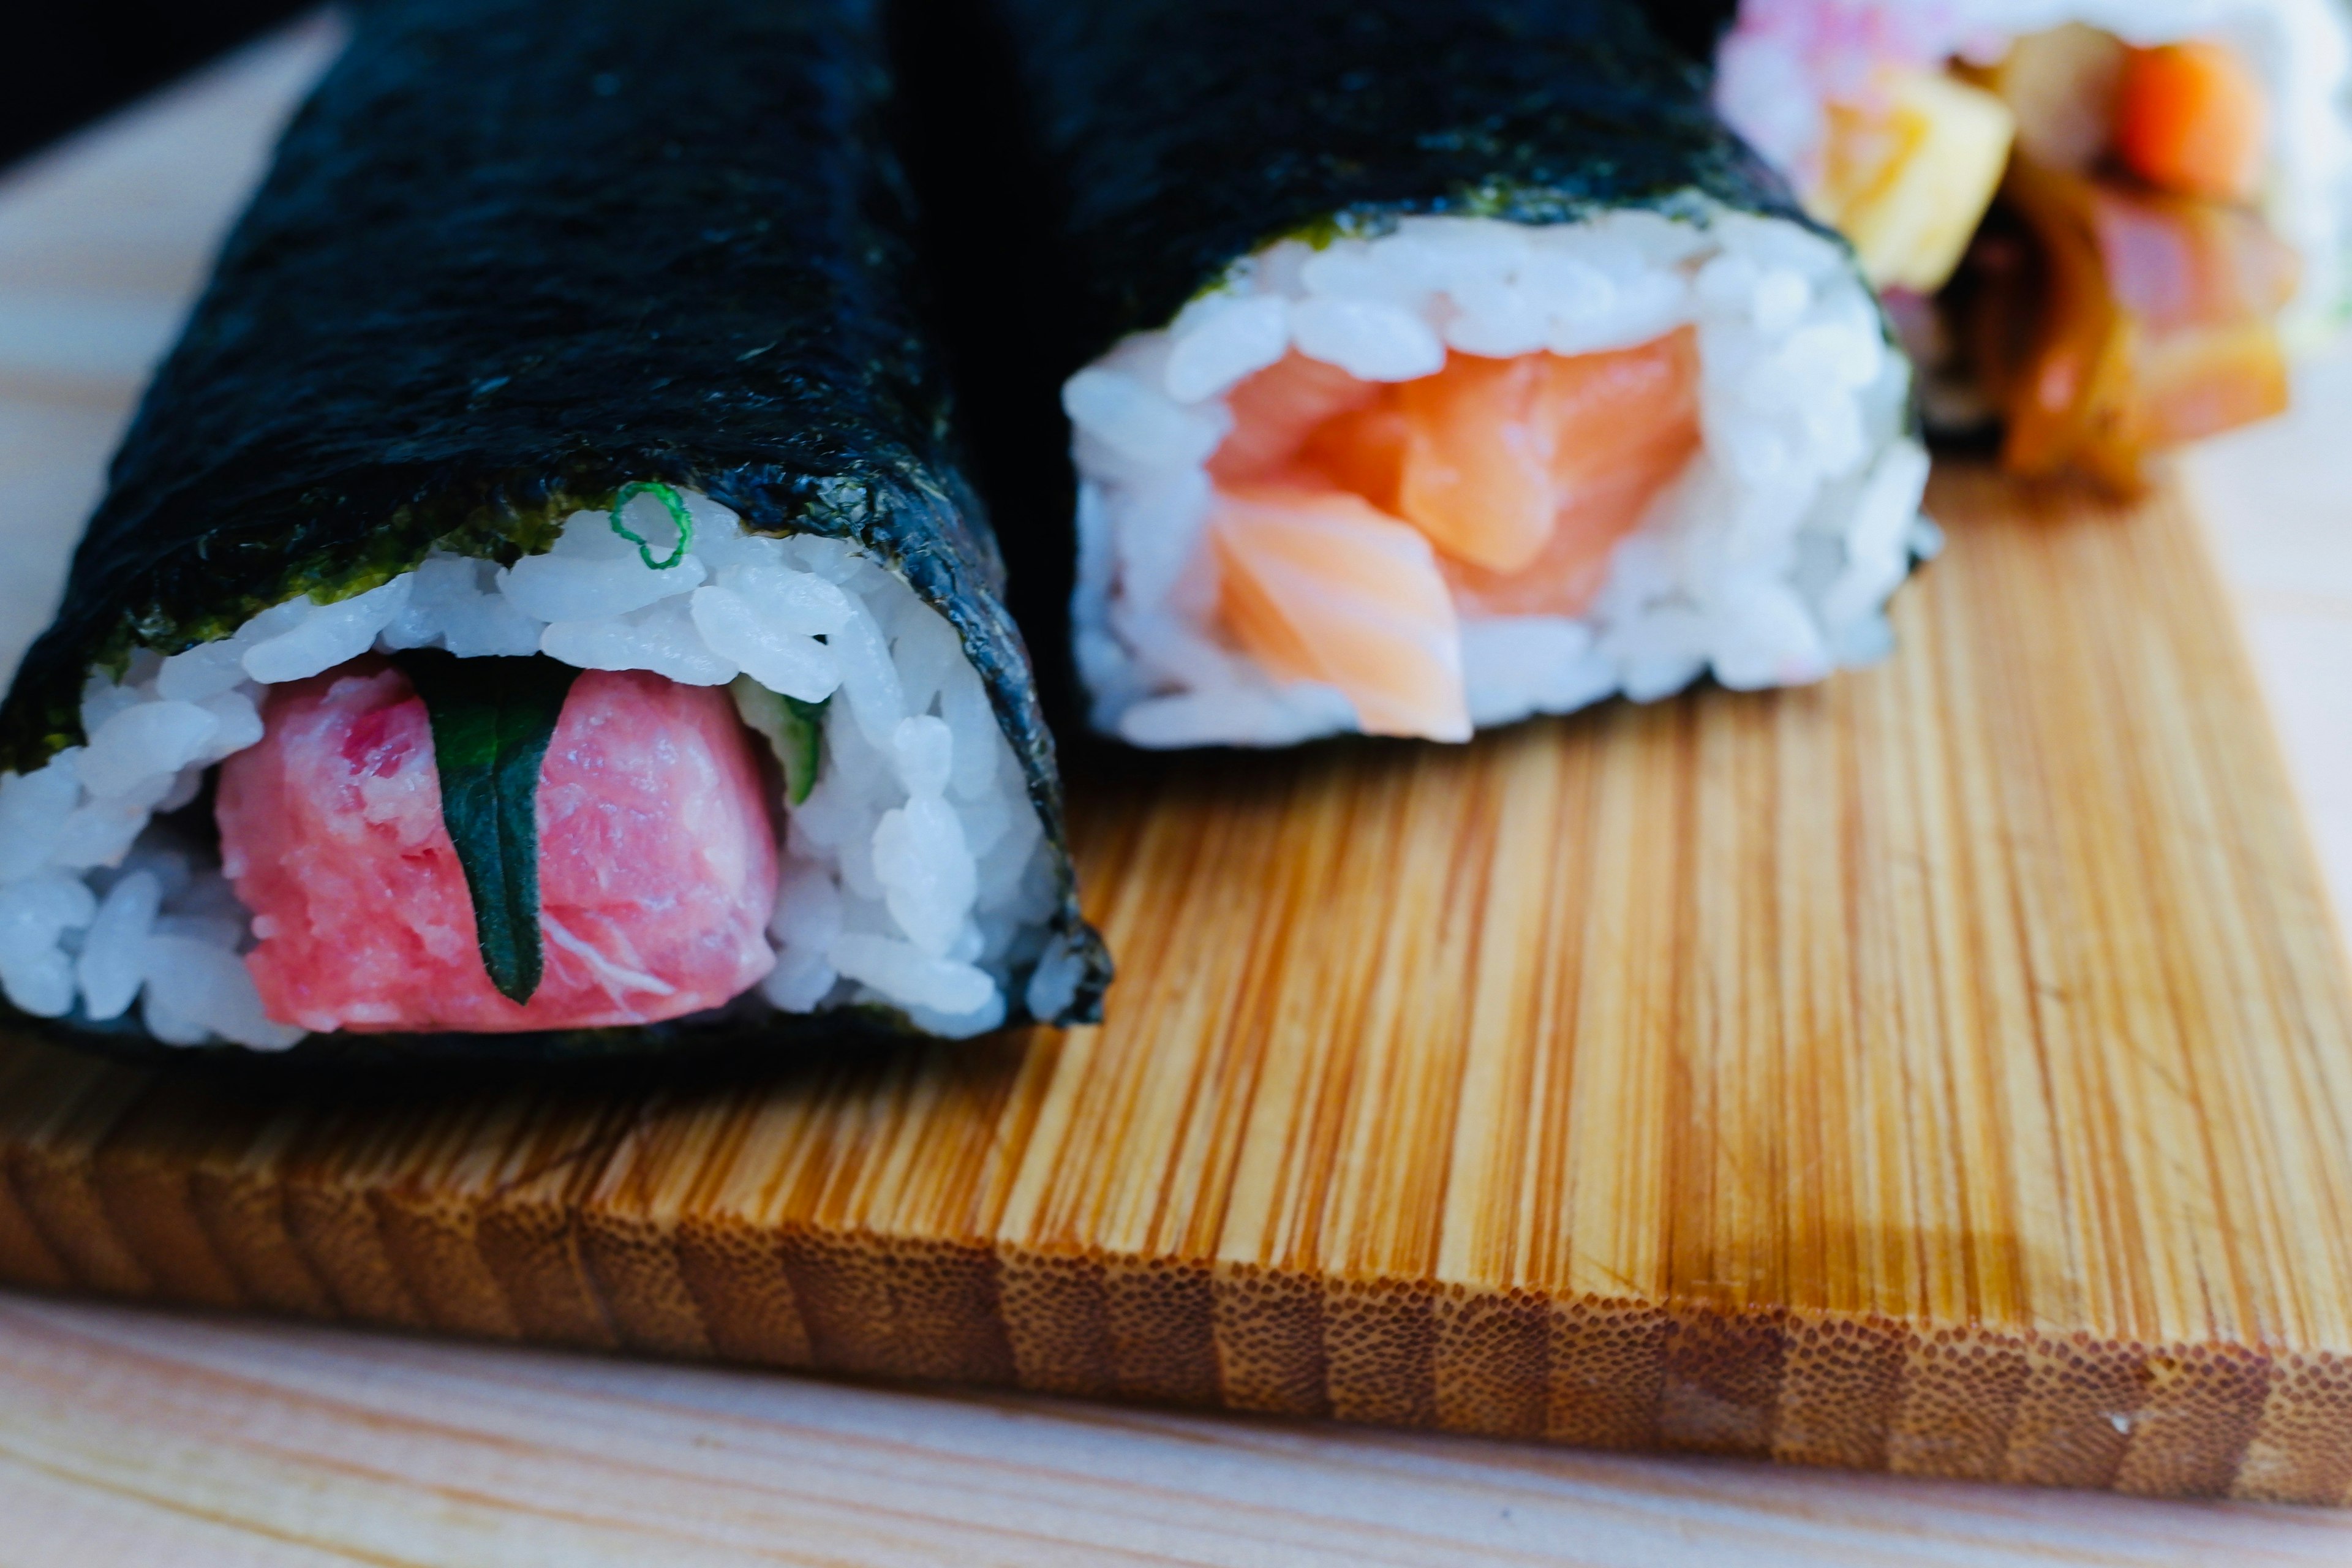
[2191, 118]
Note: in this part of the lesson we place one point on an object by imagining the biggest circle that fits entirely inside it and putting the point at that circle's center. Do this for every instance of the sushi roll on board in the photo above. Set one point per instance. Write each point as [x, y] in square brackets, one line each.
[537, 610]
[2103, 225]
[1441, 365]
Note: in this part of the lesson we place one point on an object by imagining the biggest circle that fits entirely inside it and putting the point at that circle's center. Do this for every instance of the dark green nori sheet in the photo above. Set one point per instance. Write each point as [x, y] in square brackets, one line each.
[513, 255]
[1694, 27]
[1181, 134]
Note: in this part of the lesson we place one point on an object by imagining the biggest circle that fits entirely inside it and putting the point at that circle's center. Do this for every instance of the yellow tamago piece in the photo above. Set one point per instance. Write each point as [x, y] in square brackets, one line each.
[1907, 175]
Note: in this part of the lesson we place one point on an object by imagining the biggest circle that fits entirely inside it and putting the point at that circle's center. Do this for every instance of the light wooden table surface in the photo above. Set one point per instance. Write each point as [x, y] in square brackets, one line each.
[129, 1435]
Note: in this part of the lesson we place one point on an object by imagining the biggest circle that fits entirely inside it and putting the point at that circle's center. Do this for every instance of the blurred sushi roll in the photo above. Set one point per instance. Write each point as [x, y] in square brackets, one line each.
[537, 610]
[2103, 225]
[1442, 364]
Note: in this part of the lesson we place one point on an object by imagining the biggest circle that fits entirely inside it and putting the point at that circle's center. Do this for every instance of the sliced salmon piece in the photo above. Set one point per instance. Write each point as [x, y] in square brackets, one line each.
[1319, 584]
[1489, 458]
[1627, 423]
[1613, 428]
[1478, 458]
[1276, 410]
[1505, 455]
[1522, 473]
[1363, 451]
[1563, 580]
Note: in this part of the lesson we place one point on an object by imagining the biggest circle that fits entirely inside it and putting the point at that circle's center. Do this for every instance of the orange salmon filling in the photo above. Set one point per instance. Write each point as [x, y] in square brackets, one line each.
[1357, 523]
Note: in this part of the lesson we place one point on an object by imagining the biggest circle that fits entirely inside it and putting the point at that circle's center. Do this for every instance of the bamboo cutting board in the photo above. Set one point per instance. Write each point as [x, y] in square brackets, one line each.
[1946, 1070]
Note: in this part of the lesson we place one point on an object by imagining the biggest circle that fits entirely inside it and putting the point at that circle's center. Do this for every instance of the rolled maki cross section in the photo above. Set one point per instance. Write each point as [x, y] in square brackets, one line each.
[1452, 363]
[1471, 469]
[773, 780]
[2103, 225]
[537, 611]
[780, 782]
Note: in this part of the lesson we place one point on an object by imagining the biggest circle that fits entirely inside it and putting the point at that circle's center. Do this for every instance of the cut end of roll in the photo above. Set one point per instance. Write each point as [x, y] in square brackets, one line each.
[889, 856]
[1471, 470]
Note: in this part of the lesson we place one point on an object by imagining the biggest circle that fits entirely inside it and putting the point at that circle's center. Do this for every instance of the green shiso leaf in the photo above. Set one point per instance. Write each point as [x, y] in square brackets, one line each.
[804, 730]
[794, 732]
[492, 718]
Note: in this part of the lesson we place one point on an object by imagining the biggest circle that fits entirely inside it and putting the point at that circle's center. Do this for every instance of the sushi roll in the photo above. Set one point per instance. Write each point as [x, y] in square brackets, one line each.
[2103, 226]
[1435, 365]
[537, 610]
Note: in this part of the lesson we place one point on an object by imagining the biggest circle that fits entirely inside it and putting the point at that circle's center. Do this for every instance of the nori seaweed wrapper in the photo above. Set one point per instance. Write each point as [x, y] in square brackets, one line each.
[1179, 135]
[1693, 27]
[513, 255]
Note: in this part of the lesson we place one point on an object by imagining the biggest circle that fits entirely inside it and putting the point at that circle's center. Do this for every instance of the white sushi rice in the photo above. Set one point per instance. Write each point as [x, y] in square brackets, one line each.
[1786, 60]
[915, 875]
[1767, 562]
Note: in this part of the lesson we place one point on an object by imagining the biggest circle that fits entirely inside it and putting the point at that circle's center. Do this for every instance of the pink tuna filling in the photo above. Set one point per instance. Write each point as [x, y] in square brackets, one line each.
[656, 864]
